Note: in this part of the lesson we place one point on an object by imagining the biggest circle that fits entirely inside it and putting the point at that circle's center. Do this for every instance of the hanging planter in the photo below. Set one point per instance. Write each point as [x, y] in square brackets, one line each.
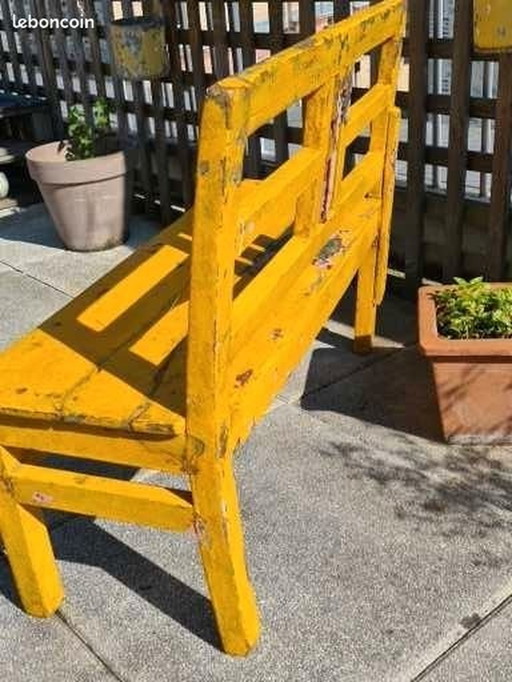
[138, 47]
[492, 25]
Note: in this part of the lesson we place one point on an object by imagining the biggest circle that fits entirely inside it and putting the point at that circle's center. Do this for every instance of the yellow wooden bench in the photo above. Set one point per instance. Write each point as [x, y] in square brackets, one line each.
[133, 373]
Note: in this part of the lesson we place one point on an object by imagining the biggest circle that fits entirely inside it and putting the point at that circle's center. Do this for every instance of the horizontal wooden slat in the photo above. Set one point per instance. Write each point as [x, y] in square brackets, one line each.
[283, 334]
[102, 445]
[364, 111]
[272, 283]
[268, 207]
[96, 496]
[316, 65]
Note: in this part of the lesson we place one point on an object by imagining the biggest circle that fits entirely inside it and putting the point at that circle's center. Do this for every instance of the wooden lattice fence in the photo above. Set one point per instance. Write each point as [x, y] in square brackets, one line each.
[451, 218]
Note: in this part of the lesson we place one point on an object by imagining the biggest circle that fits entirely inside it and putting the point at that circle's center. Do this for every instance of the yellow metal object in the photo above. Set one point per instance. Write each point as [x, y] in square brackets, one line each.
[492, 25]
[168, 360]
[138, 47]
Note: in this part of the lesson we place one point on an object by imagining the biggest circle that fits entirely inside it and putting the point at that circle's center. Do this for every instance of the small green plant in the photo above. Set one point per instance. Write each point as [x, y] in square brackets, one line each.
[87, 141]
[474, 310]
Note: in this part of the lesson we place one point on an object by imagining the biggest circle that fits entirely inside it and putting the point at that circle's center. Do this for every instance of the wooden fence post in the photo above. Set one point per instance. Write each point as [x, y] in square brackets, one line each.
[500, 191]
[418, 89]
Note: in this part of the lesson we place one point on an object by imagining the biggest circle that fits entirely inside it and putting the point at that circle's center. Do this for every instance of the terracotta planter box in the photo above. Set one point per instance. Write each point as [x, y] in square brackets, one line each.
[473, 380]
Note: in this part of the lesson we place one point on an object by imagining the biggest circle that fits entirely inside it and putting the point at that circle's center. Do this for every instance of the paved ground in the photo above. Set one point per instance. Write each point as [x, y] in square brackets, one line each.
[377, 552]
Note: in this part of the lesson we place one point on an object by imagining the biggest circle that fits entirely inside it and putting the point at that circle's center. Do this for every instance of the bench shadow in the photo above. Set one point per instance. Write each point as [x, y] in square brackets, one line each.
[78, 539]
[90, 545]
[395, 390]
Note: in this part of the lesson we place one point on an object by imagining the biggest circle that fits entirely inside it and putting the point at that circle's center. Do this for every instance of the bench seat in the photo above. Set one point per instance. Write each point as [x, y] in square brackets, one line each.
[114, 357]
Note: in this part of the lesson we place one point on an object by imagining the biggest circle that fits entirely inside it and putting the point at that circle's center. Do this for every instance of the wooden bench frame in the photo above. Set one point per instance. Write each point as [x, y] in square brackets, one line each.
[106, 380]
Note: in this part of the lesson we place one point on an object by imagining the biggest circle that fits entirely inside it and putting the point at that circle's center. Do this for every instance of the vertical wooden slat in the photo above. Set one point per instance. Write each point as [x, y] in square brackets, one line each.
[307, 18]
[13, 49]
[161, 149]
[253, 162]
[60, 44]
[169, 8]
[4, 75]
[374, 58]
[418, 84]
[221, 62]
[458, 141]
[45, 58]
[196, 49]
[501, 169]
[275, 8]
[341, 9]
[141, 123]
[117, 83]
[24, 36]
[79, 55]
[92, 35]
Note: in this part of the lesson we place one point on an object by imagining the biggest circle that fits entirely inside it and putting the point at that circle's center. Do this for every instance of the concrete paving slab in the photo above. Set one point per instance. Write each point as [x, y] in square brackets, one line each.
[396, 391]
[475, 649]
[365, 545]
[33, 649]
[483, 657]
[25, 303]
[29, 243]
[27, 236]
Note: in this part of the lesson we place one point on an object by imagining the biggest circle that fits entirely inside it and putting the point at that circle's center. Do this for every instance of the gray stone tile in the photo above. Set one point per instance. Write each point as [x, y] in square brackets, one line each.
[72, 271]
[25, 303]
[365, 546]
[33, 649]
[331, 357]
[396, 391]
[485, 656]
[28, 236]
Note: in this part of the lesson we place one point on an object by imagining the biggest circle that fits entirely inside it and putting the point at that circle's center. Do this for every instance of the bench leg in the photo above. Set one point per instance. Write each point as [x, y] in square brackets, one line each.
[221, 544]
[366, 307]
[29, 551]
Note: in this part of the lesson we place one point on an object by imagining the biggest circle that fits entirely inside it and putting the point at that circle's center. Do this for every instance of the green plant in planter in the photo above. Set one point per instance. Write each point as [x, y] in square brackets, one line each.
[474, 310]
[87, 141]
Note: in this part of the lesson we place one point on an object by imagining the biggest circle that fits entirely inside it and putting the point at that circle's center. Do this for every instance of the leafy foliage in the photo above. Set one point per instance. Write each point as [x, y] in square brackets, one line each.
[474, 310]
[87, 141]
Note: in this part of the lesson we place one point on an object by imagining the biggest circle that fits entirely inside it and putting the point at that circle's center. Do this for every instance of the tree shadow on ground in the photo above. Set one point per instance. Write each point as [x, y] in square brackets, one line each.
[389, 431]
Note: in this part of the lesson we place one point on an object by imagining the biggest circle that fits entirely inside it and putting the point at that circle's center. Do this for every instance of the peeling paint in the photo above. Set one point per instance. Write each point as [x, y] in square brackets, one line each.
[41, 498]
[331, 249]
[243, 378]
[201, 532]
[223, 440]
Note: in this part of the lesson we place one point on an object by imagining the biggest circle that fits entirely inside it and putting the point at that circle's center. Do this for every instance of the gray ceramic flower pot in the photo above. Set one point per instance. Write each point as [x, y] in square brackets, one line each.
[89, 201]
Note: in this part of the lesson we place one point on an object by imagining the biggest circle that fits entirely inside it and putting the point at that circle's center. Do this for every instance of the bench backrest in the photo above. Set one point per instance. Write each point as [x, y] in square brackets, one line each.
[307, 194]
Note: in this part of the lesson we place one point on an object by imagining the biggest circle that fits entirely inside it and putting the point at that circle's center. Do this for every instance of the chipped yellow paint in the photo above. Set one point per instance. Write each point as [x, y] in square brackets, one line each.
[148, 505]
[388, 191]
[28, 548]
[492, 25]
[168, 360]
